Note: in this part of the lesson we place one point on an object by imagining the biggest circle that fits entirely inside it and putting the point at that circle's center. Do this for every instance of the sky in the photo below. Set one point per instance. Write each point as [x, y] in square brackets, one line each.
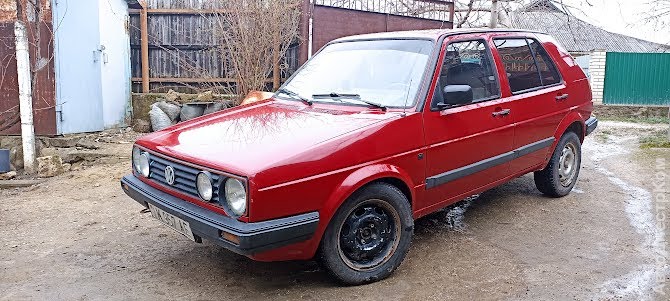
[621, 16]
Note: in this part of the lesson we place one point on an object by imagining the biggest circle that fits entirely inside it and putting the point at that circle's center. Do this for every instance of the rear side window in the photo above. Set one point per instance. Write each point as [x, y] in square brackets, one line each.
[526, 63]
[548, 73]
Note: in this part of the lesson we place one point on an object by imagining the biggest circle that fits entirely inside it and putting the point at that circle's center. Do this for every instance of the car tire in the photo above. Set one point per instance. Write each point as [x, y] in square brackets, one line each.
[560, 175]
[379, 213]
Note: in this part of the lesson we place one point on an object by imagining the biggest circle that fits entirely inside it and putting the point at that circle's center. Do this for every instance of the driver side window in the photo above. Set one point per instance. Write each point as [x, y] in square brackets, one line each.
[469, 63]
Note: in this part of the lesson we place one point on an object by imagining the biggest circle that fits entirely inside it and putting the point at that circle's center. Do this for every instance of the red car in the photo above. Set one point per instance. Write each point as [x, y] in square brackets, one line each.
[370, 134]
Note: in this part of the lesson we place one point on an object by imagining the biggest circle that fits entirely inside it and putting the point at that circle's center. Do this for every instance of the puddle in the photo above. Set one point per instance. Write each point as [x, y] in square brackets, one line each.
[640, 282]
[450, 218]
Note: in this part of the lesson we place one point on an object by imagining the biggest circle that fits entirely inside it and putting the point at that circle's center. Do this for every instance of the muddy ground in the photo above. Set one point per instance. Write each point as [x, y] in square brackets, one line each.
[78, 237]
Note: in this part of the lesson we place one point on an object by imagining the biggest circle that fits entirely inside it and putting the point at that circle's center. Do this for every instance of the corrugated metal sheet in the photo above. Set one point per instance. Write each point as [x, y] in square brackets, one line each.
[328, 23]
[44, 88]
[579, 36]
[637, 79]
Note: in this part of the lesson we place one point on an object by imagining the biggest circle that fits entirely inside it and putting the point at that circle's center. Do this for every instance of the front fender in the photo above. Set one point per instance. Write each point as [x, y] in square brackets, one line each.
[349, 185]
[360, 178]
[352, 182]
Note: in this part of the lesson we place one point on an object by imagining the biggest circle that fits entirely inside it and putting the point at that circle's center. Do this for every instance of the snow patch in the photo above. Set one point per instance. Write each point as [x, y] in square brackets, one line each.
[639, 283]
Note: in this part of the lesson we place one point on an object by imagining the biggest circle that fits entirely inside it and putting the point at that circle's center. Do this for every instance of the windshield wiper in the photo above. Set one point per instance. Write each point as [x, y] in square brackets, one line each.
[295, 95]
[340, 96]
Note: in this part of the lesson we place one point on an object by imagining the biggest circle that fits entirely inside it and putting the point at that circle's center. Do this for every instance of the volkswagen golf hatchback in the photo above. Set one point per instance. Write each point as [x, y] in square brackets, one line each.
[370, 134]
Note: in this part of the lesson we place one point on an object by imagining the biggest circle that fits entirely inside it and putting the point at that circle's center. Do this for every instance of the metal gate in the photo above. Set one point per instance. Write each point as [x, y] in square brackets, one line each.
[637, 79]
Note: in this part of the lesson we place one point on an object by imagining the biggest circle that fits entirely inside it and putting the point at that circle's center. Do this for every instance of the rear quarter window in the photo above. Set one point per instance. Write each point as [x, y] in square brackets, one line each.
[548, 73]
[527, 64]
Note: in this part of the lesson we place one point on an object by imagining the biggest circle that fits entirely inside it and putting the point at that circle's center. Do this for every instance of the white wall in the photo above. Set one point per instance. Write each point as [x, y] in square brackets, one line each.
[597, 71]
[115, 62]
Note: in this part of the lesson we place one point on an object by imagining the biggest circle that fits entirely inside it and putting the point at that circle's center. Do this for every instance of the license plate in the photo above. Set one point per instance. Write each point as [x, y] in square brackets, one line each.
[172, 221]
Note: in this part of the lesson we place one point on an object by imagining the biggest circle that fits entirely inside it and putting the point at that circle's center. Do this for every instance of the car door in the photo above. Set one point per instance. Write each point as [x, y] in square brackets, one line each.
[468, 145]
[538, 97]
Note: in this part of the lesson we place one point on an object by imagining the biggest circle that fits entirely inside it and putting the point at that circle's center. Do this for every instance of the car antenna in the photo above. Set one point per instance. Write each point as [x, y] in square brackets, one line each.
[404, 107]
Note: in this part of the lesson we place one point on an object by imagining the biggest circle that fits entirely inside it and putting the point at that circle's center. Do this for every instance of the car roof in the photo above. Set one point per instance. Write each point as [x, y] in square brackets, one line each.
[432, 34]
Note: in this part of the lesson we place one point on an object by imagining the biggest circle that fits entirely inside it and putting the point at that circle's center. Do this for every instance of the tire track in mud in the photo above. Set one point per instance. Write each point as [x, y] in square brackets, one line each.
[639, 208]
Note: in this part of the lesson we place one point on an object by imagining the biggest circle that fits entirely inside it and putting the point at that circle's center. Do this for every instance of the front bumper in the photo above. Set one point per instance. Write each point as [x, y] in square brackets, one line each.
[253, 237]
[591, 124]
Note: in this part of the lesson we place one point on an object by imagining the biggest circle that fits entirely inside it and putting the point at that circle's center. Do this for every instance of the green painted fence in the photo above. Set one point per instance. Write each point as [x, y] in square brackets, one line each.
[637, 79]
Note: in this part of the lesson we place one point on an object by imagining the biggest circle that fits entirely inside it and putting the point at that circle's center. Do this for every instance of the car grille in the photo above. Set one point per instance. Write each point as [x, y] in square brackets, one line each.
[184, 180]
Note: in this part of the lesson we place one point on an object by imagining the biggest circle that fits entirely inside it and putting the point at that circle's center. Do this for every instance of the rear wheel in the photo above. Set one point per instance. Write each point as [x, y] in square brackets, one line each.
[369, 235]
[560, 175]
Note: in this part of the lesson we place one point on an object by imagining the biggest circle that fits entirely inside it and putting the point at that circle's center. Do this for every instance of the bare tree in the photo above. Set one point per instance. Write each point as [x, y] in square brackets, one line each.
[658, 13]
[254, 36]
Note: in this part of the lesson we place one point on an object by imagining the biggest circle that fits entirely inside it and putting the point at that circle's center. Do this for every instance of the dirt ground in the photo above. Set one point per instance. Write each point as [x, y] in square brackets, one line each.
[79, 237]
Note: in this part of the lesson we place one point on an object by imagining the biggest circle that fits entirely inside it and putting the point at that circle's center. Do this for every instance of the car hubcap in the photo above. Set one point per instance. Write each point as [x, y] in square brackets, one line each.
[369, 235]
[567, 165]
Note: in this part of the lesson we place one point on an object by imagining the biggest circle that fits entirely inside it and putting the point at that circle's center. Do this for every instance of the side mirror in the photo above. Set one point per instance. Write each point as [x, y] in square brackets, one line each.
[456, 95]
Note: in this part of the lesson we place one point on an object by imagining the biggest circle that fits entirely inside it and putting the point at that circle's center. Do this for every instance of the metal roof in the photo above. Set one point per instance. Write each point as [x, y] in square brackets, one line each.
[579, 36]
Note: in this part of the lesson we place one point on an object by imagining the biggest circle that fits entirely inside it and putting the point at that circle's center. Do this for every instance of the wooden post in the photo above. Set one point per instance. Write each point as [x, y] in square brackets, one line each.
[144, 45]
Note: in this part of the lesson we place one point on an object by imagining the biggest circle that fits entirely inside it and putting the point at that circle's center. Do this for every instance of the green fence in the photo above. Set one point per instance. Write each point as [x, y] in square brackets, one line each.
[637, 79]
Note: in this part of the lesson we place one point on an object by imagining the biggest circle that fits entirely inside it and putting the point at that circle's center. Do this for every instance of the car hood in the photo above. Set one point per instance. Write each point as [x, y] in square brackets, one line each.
[249, 139]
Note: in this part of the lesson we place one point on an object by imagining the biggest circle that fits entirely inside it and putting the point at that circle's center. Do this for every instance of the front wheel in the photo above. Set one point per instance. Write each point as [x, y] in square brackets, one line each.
[560, 175]
[369, 235]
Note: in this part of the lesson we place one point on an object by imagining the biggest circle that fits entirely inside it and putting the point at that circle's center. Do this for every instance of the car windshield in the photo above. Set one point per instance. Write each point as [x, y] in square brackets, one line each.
[385, 72]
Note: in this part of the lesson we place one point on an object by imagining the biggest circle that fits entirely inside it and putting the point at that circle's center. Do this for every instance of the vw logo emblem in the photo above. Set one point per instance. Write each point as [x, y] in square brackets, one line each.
[169, 175]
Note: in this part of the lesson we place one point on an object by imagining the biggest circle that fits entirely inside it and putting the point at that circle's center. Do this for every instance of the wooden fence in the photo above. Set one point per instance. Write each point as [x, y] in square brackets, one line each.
[172, 46]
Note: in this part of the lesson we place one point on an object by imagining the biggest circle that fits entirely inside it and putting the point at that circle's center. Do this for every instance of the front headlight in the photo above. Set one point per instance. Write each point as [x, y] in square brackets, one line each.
[204, 185]
[236, 196]
[143, 164]
[136, 158]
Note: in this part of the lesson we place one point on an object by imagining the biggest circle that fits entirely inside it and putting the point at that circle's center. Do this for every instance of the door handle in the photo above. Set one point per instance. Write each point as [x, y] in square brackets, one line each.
[502, 112]
[562, 97]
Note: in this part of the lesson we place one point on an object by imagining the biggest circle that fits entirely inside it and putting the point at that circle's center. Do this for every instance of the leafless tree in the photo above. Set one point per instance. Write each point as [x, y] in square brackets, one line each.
[658, 13]
[254, 36]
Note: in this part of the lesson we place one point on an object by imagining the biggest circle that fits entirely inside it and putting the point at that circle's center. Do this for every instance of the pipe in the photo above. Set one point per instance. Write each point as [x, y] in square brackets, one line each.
[311, 22]
[494, 14]
[25, 97]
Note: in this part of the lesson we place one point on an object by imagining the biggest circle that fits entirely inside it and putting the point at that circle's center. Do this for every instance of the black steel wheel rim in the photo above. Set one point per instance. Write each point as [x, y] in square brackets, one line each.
[369, 235]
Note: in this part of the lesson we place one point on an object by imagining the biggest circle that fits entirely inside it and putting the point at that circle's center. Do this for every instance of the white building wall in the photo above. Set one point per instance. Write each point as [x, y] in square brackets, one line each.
[115, 60]
[597, 75]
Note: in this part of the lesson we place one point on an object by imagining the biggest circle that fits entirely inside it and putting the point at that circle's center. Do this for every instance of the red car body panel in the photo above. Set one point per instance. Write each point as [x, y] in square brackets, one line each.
[300, 158]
